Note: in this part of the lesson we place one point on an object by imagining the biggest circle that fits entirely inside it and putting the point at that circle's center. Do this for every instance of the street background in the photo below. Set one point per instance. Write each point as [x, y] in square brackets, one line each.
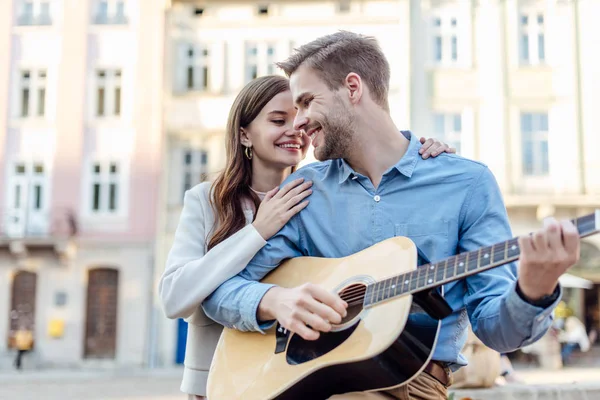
[111, 109]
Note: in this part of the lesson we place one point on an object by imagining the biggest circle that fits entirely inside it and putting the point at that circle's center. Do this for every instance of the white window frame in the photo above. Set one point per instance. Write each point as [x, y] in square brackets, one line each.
[111, 82]
[194, 172]
[41, 222]
[535, 33]
[41, 13]
[537, 136]
[105, 178]
[449, 134]
[448, 35]
[198, 63]
[262, 60]
[35, 83]
[111, 17]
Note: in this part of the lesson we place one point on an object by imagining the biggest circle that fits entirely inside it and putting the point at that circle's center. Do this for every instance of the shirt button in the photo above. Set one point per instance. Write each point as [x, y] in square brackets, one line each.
[377, 198]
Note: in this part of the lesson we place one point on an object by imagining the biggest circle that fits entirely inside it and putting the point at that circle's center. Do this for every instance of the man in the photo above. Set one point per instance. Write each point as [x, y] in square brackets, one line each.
[373, 187]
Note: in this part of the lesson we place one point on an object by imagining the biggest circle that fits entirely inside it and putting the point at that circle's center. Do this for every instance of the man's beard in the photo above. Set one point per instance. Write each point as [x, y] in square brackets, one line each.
[338, 132]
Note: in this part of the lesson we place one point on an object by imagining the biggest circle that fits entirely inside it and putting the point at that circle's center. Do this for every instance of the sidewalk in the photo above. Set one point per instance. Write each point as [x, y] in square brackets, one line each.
[565, 384]
[163, 384]
[92, 384]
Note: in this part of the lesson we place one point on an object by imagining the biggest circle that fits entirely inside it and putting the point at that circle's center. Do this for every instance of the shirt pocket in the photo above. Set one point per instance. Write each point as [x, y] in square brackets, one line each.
[429, 237]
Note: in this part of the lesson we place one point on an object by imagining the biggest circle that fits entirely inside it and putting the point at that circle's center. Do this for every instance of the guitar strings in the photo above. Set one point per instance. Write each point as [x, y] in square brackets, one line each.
[586, 224]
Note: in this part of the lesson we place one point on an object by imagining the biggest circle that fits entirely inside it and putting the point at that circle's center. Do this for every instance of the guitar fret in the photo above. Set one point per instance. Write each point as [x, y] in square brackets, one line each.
[389, 295]
[413, 280]
[461, 264]
[439, 273]
[407, 281]
[455, 264]
[419, 277]
[485, 259]
[492, 255]
[422, 275]
[506, 250]
[428, 275]
[473, 262]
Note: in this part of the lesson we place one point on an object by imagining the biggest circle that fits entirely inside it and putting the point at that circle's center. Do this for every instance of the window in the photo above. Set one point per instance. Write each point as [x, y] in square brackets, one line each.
[251, 61]
[105, 187]
[28, 198]
[108, 93]
[271, 60]
[263, 10]
[534, 131]
[197, 73]
[448, 128]
[110, 12]
[532, 40]
[32, 92]
[195, 168]
[445, 38]
[343, 6]
[34, 12]
[260, 60]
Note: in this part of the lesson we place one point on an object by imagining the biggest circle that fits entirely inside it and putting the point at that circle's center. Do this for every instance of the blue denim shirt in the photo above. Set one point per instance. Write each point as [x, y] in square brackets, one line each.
[446, 205]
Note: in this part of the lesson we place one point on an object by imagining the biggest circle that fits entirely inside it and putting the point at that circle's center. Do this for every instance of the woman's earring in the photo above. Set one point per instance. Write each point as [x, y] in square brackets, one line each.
[248, 152]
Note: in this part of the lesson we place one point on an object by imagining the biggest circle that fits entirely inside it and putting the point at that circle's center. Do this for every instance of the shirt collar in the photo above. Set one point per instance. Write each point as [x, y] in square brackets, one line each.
[405, 166]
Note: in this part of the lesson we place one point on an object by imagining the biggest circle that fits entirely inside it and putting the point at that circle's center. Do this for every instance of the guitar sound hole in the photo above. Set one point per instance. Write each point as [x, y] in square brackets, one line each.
[354, 295]
[300, 351]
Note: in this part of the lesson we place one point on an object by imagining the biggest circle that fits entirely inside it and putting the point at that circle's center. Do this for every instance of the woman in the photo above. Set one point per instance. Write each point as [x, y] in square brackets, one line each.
[223, 225]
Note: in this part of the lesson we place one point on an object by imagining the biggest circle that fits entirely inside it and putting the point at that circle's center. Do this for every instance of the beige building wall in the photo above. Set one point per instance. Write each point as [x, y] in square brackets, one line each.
[68, 143]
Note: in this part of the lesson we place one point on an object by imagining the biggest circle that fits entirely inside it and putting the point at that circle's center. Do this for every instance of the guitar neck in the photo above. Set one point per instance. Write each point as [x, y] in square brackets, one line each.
[460, 266]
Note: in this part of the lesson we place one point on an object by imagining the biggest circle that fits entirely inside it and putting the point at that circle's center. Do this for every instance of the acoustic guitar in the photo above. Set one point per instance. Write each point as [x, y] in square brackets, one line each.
[373, 348]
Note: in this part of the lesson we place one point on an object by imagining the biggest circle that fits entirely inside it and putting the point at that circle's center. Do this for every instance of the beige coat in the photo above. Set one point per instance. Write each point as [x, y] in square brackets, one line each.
[192, 274]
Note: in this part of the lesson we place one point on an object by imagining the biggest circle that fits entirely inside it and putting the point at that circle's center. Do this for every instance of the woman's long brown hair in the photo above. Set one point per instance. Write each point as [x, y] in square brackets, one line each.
[232, 186]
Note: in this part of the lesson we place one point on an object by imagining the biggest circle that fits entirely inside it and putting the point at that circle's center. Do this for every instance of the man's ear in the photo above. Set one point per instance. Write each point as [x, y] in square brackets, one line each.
[245, 138]
[355, 86]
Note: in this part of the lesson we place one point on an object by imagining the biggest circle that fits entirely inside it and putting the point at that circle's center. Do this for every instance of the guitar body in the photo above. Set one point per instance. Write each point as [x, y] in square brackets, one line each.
[372, 349]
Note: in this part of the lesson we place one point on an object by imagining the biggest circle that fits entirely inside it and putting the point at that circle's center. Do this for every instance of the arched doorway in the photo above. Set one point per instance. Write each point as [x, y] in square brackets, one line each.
[22, 305]
[101, 315]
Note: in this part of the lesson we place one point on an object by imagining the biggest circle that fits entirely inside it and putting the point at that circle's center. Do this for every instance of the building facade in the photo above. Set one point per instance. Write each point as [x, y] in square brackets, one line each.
[80, 159]
[510, 83]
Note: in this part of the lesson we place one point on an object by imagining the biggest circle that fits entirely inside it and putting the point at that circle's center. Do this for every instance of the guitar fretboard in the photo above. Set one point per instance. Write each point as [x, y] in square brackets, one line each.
[459, 266]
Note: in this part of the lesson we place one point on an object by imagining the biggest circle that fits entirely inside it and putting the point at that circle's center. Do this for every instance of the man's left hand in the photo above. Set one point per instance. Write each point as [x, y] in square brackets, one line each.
[545, 256]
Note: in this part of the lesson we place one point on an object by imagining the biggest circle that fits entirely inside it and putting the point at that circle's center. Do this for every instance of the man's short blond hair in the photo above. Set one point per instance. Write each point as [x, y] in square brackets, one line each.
[334, 56]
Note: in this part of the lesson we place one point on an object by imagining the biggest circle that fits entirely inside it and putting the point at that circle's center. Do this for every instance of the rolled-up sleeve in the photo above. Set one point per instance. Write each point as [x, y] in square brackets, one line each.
[499, 316]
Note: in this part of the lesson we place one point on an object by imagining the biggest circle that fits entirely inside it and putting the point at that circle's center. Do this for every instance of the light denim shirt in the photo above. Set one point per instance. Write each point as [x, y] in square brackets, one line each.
[446, 205]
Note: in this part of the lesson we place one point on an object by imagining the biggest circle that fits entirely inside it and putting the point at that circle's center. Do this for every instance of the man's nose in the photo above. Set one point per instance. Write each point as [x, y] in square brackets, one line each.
[300, 121]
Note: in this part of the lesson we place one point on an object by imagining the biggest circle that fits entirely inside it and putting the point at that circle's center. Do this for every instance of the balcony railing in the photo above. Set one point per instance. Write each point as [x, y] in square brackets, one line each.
[57, 223]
